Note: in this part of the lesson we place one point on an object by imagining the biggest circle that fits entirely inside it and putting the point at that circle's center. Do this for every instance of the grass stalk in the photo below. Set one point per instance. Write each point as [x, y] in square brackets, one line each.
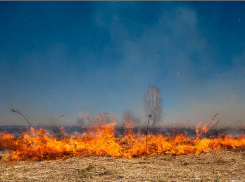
[149, 116]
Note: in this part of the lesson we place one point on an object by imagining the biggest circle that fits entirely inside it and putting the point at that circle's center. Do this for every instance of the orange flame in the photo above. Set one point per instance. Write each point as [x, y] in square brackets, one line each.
[100, 140]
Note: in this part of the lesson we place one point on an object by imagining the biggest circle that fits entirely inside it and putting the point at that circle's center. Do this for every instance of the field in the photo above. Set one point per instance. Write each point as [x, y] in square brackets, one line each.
[219, 165]
[167, 155]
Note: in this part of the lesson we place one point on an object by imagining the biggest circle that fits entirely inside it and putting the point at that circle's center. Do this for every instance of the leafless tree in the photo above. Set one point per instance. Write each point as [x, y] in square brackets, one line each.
[153, 103]
[127, 114]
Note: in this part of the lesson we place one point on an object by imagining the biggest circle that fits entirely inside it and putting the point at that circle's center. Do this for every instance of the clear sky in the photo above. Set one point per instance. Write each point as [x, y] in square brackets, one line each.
[69, 57]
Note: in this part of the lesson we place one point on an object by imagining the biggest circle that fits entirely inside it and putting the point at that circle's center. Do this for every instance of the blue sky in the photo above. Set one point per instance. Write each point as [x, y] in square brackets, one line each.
[69, 57]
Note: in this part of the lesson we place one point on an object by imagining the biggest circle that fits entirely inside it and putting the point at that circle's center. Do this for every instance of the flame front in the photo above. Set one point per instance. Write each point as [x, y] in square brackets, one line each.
[101, 140]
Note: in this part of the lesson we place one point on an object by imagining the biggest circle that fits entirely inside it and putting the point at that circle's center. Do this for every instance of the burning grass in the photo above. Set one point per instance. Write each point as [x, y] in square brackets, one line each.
[103, 153]
[101, 140]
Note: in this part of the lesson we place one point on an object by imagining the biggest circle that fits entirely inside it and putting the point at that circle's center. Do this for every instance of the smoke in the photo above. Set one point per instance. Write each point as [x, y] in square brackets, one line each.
[128, 115]
[86, 119]
[112, 54]
[231, 113]
[80, 122]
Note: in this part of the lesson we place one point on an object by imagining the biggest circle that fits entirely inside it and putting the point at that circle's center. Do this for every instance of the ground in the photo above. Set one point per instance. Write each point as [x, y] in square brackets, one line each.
[223, 165]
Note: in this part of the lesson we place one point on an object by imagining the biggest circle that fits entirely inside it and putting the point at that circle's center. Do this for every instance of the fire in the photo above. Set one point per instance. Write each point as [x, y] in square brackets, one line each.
[101, 139]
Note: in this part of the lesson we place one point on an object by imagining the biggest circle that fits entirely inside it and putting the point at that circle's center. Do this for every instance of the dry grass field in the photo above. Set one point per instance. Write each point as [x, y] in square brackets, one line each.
[222, 165]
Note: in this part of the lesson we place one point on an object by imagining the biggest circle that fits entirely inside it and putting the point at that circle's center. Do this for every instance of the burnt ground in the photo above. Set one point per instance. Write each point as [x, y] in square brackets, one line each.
[223, 165]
